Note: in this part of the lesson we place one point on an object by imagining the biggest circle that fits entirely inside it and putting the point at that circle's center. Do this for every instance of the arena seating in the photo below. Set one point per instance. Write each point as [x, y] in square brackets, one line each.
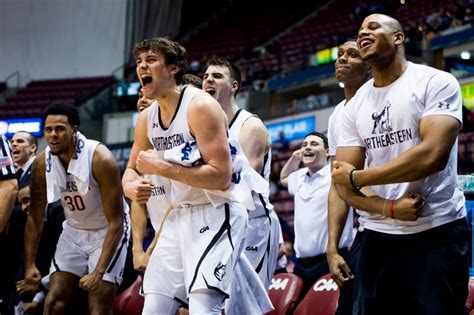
[321, 299]
[284, 293]
[130, 302]
[31, 100]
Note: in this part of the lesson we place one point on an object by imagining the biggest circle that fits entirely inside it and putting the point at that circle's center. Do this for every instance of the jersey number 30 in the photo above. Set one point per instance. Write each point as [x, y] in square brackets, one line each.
[75, 202]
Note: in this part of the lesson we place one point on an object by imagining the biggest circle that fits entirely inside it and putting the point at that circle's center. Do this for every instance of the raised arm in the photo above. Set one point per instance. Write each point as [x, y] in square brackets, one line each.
[290, 166]
[106, 172]
[255, 142]
[34, 221]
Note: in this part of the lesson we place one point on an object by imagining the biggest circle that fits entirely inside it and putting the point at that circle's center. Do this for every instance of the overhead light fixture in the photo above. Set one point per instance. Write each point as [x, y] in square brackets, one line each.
[465, 55]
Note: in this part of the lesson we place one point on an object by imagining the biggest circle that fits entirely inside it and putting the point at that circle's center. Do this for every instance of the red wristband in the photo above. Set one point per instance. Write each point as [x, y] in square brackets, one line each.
[390, 209]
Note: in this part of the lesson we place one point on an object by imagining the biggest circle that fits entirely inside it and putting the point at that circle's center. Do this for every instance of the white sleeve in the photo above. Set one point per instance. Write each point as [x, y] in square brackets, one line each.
[443, 96]
[347, 125]
[292, 179]
[332, 141]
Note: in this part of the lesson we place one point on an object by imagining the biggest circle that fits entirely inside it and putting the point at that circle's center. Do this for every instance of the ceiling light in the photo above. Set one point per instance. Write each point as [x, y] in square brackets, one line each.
[465, 55]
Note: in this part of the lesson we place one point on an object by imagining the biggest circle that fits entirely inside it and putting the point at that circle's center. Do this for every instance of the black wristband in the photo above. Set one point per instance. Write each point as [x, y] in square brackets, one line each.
[352, 180]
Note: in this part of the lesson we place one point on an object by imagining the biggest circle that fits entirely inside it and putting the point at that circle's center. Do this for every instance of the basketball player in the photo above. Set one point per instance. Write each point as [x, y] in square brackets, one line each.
[91, 250]
[8, 182]
[200, 241]
[222, 80]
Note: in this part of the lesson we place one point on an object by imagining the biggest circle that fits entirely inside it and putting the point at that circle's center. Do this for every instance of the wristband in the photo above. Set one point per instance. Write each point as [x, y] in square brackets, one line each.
[390, 212]
[385, 207]
[353, 181]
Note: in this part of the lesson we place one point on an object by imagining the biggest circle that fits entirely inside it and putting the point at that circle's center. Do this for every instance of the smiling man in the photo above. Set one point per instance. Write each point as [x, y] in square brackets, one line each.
[310, 187]
[404, 122]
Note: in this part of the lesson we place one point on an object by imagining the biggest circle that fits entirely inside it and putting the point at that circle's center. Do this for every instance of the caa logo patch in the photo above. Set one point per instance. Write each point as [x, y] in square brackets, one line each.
[278, 284]
[325, 285]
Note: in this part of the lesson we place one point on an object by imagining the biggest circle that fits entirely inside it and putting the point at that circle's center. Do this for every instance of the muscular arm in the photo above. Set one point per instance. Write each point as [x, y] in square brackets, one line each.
[107, 174]
[207, 122]
[139, 221]
[290, 166]
[438, 133]
[34, 221]
[254, 141]
[8, 191]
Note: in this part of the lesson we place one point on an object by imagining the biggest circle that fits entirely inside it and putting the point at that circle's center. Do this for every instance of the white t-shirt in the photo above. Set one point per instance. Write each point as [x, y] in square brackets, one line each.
[385, 121]
[333, 131]
[311, 212]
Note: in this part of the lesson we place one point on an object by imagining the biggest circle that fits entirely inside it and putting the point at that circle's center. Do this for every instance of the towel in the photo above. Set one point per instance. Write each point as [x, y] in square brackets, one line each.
[247, 293]
[245, 179]
[79, 167]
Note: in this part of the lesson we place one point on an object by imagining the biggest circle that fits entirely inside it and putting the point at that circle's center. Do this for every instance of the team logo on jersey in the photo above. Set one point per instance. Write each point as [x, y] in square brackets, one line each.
[219, 271]
[185, 151]
[48, 162]
[6, 161]
[382, 120]
[79, 146]
[236, 177]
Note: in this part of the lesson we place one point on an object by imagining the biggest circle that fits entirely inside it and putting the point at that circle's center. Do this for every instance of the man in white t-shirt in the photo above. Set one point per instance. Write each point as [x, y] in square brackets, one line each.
[310, 187]
[404, 123]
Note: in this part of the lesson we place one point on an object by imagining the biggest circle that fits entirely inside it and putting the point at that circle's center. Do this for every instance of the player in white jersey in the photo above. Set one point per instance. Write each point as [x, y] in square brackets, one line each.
[8, 182]
[91, 251]
[406, 121]
[222, 80]
[200, 241]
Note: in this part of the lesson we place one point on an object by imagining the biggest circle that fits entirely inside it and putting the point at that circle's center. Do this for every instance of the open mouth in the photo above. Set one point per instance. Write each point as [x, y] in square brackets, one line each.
[211, 91]
[146, 80]
[308, 154]
[365, 43]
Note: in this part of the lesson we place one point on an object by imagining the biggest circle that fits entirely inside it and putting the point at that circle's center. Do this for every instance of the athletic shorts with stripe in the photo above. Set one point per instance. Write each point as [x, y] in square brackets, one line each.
[78, 252]
[261, 245]
[197, 249]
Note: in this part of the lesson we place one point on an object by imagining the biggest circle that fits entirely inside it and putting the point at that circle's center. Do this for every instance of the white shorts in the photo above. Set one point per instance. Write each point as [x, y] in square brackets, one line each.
[197, 249]
[261, 245]
[78, 252]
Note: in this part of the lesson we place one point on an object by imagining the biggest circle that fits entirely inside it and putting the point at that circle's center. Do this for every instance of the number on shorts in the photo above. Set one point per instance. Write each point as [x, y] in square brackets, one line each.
[75, 202]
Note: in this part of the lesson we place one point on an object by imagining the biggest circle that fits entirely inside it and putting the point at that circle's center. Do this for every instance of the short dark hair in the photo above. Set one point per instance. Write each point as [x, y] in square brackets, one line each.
[173, 52]
[31, 139]
[234, 70]
[320, 135]
[60, 108]
[192, 79]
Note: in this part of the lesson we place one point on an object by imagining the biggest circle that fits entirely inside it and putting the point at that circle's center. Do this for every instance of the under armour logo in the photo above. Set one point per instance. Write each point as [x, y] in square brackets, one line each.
[204, 229]
[443, 104]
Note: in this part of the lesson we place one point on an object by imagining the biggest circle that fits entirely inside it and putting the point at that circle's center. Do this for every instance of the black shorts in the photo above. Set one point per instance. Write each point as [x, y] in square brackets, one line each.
[422, 273]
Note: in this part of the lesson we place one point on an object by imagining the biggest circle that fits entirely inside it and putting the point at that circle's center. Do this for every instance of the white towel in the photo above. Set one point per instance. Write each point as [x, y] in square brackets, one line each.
[79, 167]
[244, 178]
[247, 293]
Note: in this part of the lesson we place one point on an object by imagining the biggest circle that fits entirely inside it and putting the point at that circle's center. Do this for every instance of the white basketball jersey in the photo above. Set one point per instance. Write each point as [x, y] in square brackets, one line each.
[262, 201]
[167, 138]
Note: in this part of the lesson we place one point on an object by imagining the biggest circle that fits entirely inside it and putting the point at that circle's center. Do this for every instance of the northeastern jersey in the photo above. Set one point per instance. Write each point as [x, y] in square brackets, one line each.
[174, 135]
[261, 201]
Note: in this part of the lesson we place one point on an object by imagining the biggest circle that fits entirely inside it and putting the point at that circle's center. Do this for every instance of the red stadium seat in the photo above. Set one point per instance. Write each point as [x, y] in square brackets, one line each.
[321, 299]
[470, 297]
[130, 302]
[284, 293]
